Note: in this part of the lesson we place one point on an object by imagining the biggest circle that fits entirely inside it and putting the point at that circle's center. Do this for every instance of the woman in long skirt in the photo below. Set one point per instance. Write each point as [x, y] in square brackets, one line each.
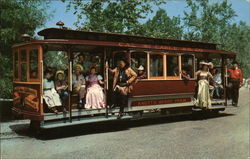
[203, 97]
[95, 95]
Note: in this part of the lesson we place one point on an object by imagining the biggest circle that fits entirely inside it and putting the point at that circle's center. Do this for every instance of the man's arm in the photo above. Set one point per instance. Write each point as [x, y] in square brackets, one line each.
[112, 70]
[229, 70]
[133, 76]
[241, 78]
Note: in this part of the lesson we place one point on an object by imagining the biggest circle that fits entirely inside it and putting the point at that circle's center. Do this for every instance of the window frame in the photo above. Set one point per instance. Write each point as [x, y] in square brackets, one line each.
[23, 63]
[29, 71]
[146, 69]
[179, 66]
[163, 66]
[193, 65]
[27, 48]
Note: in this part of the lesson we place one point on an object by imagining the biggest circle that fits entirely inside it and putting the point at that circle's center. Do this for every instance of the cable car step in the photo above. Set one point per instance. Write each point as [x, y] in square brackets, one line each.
[77, 121]
[210, 108]
[78, 112]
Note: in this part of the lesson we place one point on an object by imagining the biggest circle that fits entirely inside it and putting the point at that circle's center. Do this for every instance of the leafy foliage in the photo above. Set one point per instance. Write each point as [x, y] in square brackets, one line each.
[212, 22]
[120, 16]
[162, 26]
[17, 17]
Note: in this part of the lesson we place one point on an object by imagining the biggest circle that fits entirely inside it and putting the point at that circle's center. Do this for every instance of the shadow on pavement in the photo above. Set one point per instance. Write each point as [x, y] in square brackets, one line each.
[105, 127]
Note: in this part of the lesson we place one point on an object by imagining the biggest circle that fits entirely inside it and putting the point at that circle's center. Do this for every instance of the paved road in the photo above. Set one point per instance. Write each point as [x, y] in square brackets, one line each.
[224, 136]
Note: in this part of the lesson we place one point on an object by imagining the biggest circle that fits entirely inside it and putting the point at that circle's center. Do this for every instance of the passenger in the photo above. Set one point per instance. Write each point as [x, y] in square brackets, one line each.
[95, 95]
[79, 85]
[33, 74]
[141, 73]
[236, 80]
[185, 75]
[210, 66]
[203, 96]
[201, 64]
[61, 87]
[50, 95]
[84, 63]
[123, 78]
[217, 82]
[53, 71]
[211, 84]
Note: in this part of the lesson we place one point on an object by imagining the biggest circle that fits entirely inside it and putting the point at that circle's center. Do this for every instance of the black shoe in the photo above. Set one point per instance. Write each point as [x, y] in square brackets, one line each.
[80, 106]
[113, 106]
[119, 116]
[54, 110]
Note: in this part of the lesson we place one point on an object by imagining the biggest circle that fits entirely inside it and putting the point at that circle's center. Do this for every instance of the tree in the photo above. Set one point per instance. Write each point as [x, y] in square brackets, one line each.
[207, 21]
[212, 22]
[17, 17]
[162, 26]
[237, 40]
[120, 16]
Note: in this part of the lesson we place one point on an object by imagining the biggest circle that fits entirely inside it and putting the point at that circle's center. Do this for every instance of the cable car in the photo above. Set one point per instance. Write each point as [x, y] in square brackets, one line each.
[162, 91]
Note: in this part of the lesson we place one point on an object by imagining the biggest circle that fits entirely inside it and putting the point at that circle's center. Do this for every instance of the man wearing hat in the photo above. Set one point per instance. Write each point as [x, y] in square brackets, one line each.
[85, 63]
[236, 80]
[141, 73]
[79, 84]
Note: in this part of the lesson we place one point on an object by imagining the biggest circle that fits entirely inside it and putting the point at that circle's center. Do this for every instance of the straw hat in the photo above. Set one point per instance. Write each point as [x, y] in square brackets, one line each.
[80, 66]
[141, 68]
[211, 65]
[59, 71]
[202, 63]
[205, 63]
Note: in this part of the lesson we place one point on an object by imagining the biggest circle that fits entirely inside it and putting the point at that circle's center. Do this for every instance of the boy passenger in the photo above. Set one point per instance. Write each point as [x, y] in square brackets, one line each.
[123, 78]
[61, 87]
[50, 95]
[79, 85]
[141, 73]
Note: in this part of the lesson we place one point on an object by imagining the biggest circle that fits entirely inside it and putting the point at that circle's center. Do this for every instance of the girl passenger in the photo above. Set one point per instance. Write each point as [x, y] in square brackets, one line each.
[50, 95]
[95, 95]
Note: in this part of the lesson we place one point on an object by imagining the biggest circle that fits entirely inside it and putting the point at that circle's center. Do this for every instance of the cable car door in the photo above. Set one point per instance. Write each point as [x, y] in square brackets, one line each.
[27, 82]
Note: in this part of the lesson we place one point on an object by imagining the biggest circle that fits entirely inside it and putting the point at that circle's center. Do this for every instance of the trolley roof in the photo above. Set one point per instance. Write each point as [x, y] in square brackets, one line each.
[80, 37]
[57, 33]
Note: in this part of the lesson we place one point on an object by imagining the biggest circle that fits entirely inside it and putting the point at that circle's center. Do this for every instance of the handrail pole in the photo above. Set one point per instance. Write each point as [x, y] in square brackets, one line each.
[106, 78]
[70, 85]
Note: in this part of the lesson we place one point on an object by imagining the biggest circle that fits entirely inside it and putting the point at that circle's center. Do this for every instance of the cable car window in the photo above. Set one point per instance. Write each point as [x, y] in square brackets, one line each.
[56, 60]
[23, 72]
[187, 64]
[16, 64]
[34, 64]
[23, 56]
[172, 65]
[88, 60]
[139, 63]
[156, 65]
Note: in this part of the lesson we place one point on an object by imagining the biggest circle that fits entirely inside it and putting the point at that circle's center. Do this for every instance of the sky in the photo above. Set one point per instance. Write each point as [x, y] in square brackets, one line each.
[173, 8]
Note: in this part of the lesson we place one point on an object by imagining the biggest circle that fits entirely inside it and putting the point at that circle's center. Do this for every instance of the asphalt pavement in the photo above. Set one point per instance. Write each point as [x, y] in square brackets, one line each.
[222, 136]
